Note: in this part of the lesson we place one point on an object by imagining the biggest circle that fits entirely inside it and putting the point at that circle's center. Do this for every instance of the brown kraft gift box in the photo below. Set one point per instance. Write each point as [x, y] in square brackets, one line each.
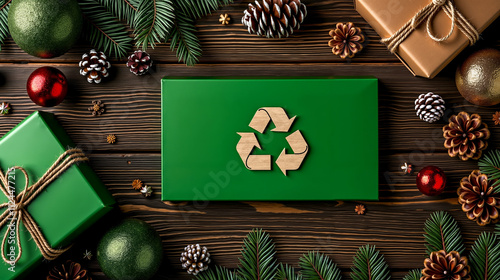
[422, 55]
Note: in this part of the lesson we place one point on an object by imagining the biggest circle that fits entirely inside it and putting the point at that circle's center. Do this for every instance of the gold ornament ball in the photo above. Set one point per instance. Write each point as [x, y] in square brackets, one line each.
[478, 78]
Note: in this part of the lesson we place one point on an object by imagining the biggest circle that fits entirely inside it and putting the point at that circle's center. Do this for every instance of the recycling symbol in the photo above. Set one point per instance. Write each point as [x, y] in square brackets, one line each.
[259, 122]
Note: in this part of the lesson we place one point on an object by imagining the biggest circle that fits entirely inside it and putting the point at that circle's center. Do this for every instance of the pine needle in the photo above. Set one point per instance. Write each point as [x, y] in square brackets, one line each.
[413, 275]
[443, 233]
[184, 40]
[200, 8]
[286, 272]
[258, 257]
[122, 9]
[489, 164]
[316, 266]
[219, 273]
[4, 27]
[369, 264]
[103, 30]
[484, 257]
[153, 23]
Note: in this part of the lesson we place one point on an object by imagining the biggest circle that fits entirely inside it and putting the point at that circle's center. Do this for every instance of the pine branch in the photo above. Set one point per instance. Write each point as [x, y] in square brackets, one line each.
[258, 261]
[316, 266]
[122, 9]
[154, 20]
[443, 233]
[286, 272]
[219, 273]
[484, 258]
[369, 264]
[4, 27]
[184, 40]
[200, 8]
[103, 30]
[415, 274]
[489, 164]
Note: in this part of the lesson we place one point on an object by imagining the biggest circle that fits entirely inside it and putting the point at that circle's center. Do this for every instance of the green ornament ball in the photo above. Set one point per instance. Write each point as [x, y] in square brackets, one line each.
[45, 28]
[131, 250]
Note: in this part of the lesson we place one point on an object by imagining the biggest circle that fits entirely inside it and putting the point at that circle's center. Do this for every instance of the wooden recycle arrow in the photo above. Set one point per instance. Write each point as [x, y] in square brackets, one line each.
[260, 121]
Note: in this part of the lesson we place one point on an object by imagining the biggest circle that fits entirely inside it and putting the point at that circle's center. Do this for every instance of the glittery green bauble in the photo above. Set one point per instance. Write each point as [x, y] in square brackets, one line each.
[45, 28]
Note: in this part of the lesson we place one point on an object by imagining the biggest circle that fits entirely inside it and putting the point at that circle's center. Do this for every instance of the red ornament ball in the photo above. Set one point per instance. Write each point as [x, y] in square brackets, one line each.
[47, 86]
[431, 180]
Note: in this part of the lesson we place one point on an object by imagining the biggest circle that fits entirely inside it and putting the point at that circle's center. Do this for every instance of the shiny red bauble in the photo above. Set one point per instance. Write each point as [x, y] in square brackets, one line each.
[431, 180]
[47, 86]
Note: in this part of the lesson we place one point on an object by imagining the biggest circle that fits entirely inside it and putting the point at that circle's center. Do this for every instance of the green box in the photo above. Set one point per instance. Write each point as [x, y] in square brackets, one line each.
[69, 205]
[201, 119]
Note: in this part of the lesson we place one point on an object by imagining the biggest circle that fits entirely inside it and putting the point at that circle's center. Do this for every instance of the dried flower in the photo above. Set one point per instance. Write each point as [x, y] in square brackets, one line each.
[407, 168]
[146, 191]
[111, 139]
[360, 209]
[97, 108]
[346, 40]
[137, 184]
[496, 118]
[4, 108]
[224, 19]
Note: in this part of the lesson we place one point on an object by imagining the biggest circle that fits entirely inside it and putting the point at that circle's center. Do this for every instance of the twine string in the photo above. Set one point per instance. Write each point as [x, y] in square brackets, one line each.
[427, 14]
[16, 207]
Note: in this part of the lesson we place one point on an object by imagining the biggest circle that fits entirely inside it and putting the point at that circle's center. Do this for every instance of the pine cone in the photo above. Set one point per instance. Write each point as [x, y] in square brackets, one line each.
[446, 266]
[274, 18]
[68, 271]
[346, 40]
[195, 259]
[429, 107]
[466, 136]
[139, 62]
[94, 66]
[478, 198]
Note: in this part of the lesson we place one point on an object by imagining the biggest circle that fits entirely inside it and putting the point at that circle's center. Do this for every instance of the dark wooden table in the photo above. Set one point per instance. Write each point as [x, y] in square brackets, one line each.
[394, 224]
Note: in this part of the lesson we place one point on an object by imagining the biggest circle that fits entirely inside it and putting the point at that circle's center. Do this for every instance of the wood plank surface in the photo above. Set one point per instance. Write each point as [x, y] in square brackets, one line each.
[133, 110]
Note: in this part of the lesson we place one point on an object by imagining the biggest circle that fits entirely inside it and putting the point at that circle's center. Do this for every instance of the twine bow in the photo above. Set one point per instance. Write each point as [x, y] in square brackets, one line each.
[16, 207]
[428, 13]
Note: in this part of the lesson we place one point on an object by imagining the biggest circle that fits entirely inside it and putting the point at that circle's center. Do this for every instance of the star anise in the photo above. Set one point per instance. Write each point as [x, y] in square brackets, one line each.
[97, 108]
[68, 271]
[111, 139]
[224, 19]
[496, 118]
[347, 40]
[360, 209]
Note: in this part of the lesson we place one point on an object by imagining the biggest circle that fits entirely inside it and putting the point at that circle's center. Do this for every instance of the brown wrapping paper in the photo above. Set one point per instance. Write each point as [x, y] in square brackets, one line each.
[423, 56]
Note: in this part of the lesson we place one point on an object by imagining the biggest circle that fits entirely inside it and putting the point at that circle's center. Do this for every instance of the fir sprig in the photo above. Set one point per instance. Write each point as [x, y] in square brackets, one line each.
[4, 28]
[154, 21]
[443, 233]
[103, 30]
[414, 274]
[286, 272]
[122, 9]
[184, 41]
[489, 164]
[258, 257]
[485, 257]
[219, 273]
[197, 8]
[369, 264]
[316, 266]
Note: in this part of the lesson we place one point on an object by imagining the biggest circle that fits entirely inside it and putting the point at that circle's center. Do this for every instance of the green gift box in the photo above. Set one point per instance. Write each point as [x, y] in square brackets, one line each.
[65, 208]
[270, 138]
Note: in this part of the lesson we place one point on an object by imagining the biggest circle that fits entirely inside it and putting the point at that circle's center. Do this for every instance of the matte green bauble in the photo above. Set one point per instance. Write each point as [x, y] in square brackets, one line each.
[45, 28]
[132, 250]
[478, 78]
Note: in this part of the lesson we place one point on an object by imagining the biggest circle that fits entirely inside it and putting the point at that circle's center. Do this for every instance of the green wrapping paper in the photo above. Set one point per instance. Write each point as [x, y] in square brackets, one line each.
[65, 208]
